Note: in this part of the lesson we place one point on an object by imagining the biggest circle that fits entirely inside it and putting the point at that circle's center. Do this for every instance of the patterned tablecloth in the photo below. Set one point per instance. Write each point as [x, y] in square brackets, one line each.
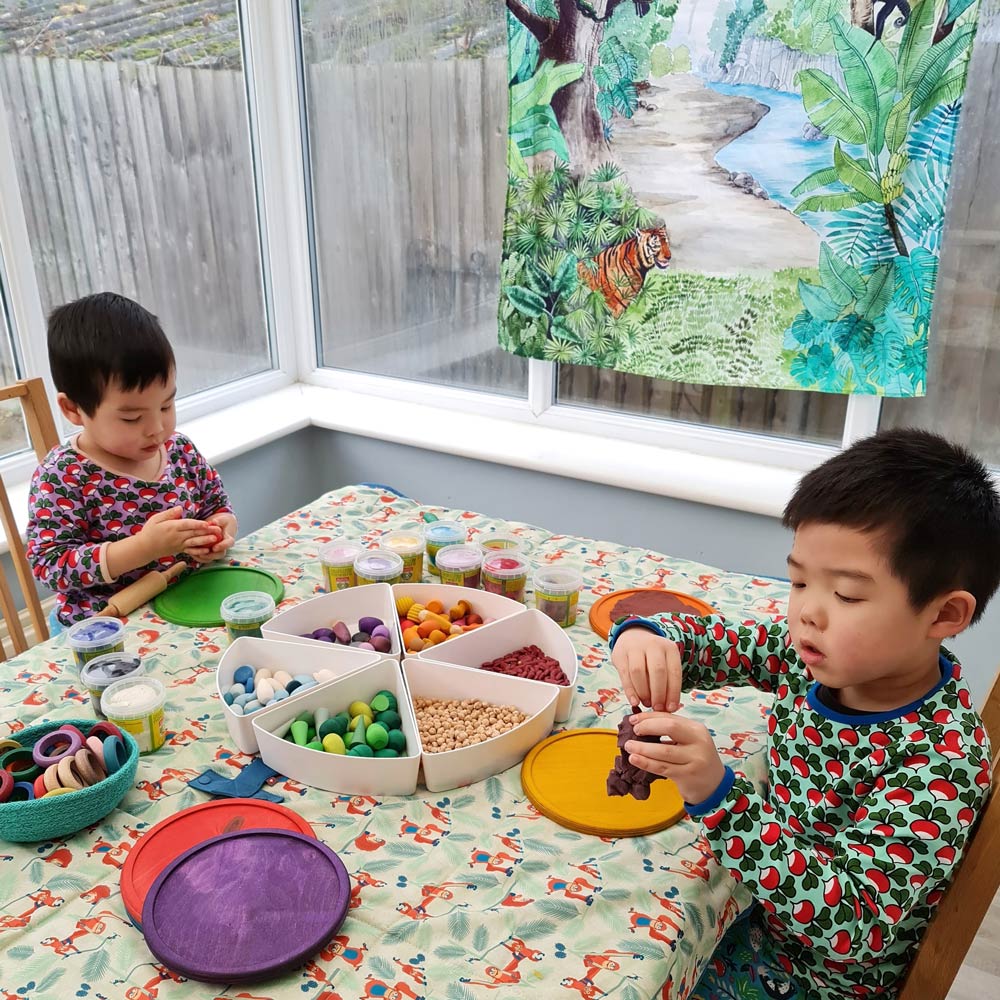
[455, 894]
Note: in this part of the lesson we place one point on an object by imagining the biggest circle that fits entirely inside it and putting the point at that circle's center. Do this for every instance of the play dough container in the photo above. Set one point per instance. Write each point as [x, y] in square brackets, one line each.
[95, 637]
[499, 540]
[337, 560]
[246, 612]
[438, 535]
[136, 706]
[505, 573]
[378, 566]
[409, 545]
[460, 565]
[101, 672]
[557, 592]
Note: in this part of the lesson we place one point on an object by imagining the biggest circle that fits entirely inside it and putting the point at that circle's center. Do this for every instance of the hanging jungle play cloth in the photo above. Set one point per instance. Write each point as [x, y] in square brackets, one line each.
[731, 192]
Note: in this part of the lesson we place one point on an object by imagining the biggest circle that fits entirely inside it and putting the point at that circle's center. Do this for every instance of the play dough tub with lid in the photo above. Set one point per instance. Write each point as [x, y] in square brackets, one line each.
[378, 566]
[246, 613]
[94, 637]
[135, 705]
[408, 544]
[337, 561]
[101, 672]
[438, 535]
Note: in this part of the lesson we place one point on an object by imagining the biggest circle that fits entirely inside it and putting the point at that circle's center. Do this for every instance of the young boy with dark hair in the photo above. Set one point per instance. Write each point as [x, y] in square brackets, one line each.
[127, 493]
[878, 765]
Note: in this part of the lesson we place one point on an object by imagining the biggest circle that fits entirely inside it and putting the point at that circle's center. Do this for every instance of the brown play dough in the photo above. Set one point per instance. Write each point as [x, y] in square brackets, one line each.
[624, 778]
[648, 602]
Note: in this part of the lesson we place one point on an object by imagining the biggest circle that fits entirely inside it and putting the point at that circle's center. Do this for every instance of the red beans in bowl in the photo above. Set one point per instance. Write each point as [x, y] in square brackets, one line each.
[528, 662]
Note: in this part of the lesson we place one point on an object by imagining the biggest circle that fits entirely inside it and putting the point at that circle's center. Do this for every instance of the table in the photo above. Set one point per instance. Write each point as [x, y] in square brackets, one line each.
[454, 894]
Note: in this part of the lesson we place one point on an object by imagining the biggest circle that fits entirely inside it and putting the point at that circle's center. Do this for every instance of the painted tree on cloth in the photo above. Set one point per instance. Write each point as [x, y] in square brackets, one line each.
[571, 33]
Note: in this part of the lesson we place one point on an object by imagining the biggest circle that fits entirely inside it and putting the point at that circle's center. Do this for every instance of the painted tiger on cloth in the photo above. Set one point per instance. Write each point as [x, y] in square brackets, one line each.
[621, 269]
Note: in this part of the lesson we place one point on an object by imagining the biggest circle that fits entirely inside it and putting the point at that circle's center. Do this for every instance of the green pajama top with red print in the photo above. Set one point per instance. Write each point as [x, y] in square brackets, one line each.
[850, 845]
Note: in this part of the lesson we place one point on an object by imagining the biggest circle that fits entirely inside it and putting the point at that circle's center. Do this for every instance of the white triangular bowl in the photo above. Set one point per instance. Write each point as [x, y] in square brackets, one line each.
[296, 658]
[454, 768]
[374, 599]
[488, 642]
[339, 773]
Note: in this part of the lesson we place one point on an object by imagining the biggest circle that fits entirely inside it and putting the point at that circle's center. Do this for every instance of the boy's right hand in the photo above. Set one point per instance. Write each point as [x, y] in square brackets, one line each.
[168, 532]
[650, 669]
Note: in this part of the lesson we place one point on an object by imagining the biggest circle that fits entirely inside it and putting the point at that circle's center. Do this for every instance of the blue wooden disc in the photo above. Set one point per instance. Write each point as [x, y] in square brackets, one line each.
[246, 906]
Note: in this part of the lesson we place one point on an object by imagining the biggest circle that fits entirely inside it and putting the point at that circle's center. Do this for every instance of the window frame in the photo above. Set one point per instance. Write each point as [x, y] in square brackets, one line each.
[274, 66]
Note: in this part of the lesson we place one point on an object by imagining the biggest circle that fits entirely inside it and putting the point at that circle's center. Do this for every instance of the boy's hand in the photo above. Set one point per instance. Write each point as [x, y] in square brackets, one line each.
[168, 532]
[224, 526]
[688, 758]
[650, 669]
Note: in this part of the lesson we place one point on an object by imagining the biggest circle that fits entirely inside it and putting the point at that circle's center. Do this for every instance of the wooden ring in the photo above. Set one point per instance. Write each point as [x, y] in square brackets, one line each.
[115, 754]
[96, 746]
[51, 777]
[68, 727]
[52, 747]
[105, 729]
[39, 786]
[23, 791]
[69, 777]
[8, 744]
[6, 785]
[86, 768]
[58, 791]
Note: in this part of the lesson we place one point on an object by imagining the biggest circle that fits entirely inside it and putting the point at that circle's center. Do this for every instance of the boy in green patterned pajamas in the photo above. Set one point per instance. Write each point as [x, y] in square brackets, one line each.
[878, 764]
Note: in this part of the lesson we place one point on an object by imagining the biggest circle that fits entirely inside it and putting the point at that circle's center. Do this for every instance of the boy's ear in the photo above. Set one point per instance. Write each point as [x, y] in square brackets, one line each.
[70, 410]
[954, 612]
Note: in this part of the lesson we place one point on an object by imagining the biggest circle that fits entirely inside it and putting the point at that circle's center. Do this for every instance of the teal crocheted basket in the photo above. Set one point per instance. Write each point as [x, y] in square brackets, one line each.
[50, 819]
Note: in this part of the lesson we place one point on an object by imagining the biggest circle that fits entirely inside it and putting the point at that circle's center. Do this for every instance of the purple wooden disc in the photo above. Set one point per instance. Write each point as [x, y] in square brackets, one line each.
[246, 906]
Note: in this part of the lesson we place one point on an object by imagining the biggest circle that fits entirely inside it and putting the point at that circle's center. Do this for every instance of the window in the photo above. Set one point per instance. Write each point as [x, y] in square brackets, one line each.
[406, 108]
[811, 416]
[130, 133]
[13, 433]
[963, 398]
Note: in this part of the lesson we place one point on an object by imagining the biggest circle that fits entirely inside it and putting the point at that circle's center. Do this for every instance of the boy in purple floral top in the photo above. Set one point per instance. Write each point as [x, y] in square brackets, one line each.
[127, 494]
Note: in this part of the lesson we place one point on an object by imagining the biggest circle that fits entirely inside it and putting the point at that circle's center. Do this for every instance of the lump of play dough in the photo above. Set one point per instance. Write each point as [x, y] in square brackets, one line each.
[624, 778]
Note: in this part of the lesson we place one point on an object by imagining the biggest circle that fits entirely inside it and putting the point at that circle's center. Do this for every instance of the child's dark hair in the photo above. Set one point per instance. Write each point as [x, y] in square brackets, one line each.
[933, 501]
[105, 338]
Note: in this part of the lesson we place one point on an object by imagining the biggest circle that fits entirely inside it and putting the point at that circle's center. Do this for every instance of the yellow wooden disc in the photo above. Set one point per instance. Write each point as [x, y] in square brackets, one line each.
[565, 777]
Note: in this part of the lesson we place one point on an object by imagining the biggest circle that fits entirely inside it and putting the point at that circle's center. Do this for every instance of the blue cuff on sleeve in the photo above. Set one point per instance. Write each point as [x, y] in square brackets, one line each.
[646, 623]
[713, 801]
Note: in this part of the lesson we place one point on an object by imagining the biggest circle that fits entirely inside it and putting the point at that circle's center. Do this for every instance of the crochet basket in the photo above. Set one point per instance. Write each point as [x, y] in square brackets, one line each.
[50, 819]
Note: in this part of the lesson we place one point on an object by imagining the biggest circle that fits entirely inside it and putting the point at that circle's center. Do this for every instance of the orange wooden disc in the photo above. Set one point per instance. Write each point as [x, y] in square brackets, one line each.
[601, 611]
[565, 777]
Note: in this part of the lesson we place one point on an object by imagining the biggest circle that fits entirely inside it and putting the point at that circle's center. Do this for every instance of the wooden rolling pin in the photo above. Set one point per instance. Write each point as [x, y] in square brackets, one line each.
[142, 591]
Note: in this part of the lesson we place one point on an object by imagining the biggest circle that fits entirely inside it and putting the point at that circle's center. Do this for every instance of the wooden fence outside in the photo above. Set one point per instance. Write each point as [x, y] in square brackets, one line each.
[137, 178]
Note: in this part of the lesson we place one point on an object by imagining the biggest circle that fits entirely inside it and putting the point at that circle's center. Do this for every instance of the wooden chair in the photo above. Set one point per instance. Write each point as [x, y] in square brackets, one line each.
[960, 913]
[44, 437]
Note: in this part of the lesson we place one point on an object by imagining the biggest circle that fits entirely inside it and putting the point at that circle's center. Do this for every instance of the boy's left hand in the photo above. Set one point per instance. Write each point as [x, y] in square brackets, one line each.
[689, 758]
[226, 523]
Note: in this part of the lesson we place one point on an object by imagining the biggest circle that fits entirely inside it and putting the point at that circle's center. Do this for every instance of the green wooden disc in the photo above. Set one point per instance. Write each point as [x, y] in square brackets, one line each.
[195, 600]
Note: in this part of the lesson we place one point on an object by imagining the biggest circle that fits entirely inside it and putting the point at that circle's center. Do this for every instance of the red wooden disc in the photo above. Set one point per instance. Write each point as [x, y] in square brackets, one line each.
[171, 837]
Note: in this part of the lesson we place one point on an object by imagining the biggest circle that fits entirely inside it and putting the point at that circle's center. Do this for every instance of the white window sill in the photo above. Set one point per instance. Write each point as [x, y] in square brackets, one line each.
[647, 468]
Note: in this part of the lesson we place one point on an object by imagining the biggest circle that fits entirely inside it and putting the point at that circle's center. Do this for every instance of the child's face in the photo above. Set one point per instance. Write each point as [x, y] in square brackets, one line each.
[850, 620]
[131, 425]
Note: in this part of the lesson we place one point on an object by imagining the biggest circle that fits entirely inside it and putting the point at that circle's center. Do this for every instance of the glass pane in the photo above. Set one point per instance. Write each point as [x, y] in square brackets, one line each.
[814, 416]
[130, 130]
[963, 384]
[407, 111]
[13, 433]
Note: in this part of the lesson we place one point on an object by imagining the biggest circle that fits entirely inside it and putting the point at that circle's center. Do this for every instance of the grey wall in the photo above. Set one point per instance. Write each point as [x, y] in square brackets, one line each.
[732, 540]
